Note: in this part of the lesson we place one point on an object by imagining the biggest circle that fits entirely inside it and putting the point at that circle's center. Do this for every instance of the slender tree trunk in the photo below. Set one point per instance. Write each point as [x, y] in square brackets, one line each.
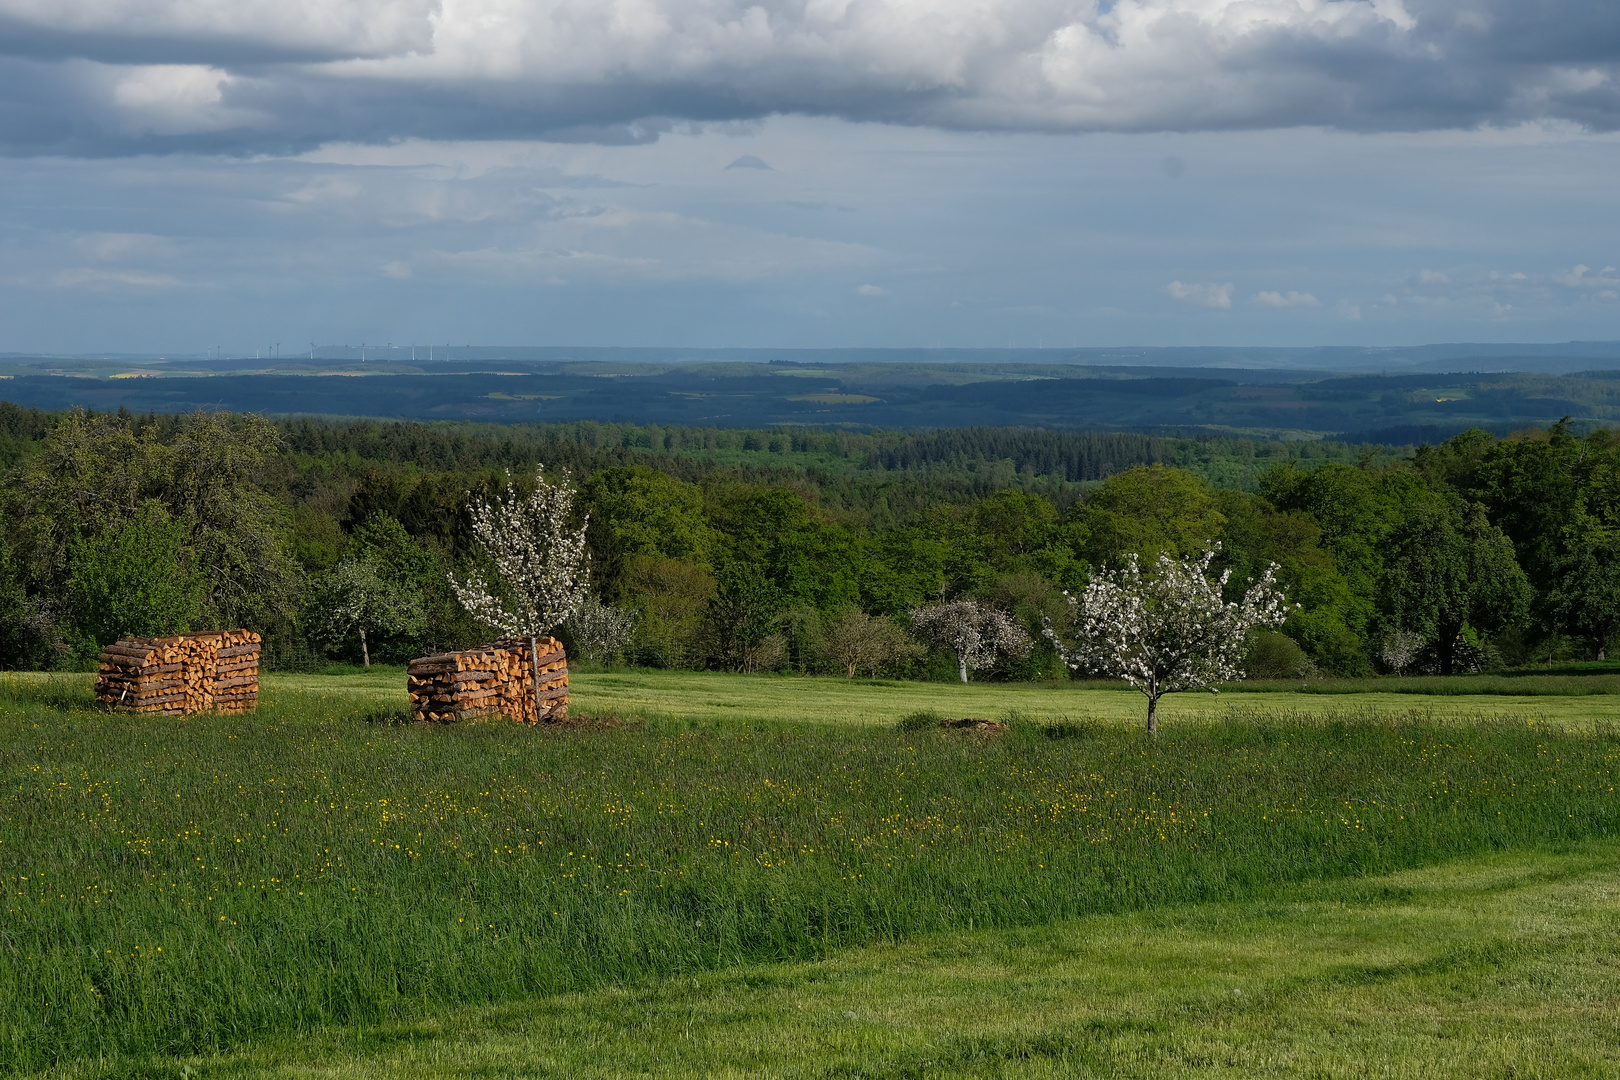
[961, 666]
[365, 653]
[1153, 714]
[534, 667]
[1599, 641]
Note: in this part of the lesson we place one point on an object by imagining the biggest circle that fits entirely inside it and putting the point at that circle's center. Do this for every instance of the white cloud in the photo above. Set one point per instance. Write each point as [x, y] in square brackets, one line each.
[397, 269]
[1583, 277]
[173, 99]
[1433, 277]
[1286, 300]
[1208, 295]
[871, 290]
[306, 72]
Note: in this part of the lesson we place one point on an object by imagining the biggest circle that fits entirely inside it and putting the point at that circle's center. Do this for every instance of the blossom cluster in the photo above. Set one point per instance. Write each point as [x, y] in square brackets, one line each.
[1171, 630]
[537, 551]
[975, 632]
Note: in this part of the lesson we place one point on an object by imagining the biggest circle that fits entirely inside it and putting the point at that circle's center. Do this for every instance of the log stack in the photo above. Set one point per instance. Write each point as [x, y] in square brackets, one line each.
[236, 671]
[491, 680]
[181, 675]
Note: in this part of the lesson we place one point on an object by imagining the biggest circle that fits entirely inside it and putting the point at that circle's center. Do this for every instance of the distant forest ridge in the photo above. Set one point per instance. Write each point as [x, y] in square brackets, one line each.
[1398, 406]
[1558, 357]
[951, 465]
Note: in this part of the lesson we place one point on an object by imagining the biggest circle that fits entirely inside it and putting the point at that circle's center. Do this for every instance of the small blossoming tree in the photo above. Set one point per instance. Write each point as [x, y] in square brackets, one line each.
[600, 631]
[538, 553]
[1401, 647]
[975, 632]
[1169, 631]
[353, 598]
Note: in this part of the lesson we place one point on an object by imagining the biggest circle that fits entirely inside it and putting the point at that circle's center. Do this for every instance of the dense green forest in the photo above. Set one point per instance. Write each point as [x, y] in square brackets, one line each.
[1480, 552]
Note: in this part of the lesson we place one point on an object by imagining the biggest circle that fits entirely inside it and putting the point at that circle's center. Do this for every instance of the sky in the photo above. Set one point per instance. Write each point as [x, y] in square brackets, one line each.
[243, 175]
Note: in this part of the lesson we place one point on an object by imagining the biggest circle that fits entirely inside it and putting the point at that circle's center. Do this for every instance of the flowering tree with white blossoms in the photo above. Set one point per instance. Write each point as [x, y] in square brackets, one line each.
[975, 632]
[600, 631]
[1400, 649]
[540, 556]
[1170, 631]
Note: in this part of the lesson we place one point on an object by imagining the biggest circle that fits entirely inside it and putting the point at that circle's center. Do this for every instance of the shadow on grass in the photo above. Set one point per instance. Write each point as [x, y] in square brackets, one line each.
[52, 691]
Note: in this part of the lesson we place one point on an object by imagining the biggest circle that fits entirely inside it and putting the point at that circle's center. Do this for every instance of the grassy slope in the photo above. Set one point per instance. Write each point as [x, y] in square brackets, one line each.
[1492, 967]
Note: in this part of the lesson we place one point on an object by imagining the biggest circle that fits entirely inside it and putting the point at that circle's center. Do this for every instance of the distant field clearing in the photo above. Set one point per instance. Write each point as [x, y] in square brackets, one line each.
[712, 696]
[709, 696]
[836, 399]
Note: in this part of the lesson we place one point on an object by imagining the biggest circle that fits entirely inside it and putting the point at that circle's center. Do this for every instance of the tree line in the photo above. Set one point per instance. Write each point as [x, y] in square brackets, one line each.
[1479, 552]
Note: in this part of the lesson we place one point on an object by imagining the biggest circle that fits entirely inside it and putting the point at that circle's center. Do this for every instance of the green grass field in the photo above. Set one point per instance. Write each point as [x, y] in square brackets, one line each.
[713, 696]
[762, 876]
[1498, 966]
[706, 697]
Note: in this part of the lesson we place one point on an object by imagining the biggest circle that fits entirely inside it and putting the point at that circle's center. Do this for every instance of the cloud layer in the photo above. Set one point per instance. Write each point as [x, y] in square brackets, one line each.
[101, 77]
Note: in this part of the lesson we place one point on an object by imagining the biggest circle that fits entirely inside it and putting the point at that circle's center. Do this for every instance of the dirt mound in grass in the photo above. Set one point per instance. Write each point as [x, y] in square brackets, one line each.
[974, 723]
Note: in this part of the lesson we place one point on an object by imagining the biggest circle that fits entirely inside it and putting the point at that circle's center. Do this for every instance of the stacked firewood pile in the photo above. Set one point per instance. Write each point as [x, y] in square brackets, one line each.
[176, 676]
[491, 680]
[236, 671]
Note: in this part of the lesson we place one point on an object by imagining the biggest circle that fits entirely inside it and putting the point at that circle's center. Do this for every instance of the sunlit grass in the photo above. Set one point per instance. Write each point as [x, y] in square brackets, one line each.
[708, 697]
[713, 696]
[182, 885]
[1497, 966]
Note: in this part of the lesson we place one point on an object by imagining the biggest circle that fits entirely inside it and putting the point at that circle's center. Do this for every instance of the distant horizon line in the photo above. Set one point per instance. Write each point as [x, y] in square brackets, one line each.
[447, 351]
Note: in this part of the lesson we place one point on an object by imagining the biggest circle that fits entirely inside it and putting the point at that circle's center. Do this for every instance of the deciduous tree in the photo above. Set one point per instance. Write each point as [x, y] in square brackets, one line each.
[600, 631]
[742, 619]
[856, 641]
[94, 473]
[1449, 568]
[670, 598]
[355, 598]
[1583, 598]
[135, 577]
[1167, 631]
[1400, 649]
[539, 556]
[975, 632]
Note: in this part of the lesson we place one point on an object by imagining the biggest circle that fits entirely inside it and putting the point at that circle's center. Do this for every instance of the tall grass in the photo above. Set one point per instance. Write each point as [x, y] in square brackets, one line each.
[179, 885]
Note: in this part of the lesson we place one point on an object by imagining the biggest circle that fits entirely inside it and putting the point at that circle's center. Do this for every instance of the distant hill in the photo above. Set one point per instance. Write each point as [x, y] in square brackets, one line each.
[1558, 359]
[1287, 393]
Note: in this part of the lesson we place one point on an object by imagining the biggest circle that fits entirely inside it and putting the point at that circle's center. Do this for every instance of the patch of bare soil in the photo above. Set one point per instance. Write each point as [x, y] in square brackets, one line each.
[974, 723]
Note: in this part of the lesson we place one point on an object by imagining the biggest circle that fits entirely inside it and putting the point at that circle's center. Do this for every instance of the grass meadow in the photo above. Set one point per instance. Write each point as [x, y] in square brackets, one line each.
[706, 697]
[763, 876]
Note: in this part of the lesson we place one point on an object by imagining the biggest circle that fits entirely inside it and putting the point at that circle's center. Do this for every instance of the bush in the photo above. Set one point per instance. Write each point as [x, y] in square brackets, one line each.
[136, 579]
[1273, 655]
